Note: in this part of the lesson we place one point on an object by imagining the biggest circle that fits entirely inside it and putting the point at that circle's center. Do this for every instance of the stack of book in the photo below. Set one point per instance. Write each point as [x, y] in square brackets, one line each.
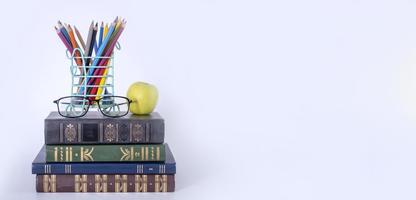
[95, 153]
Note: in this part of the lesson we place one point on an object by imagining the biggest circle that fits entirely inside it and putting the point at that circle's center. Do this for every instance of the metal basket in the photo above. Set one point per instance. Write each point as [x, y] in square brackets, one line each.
[91, 81]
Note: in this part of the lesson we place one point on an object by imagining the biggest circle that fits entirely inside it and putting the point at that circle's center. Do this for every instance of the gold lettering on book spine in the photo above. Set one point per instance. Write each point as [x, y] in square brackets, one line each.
[49, 183]
[144, 183]
[97, 183]
[157, 183]
[61, 154]
[126, 154]
[158, 153]
[81, 183]
[137, 183]
[82, 154]
[77, 183]
[152, 153]
[100, 183]
[142, 155]
[53, 183]
[120, 183]
[124, 182]
[117, 183]
[70, 154]
[45, 183]
[165, 183]
[84, 183]
[66, 154]
[104, 183]
[56, 153]
[161, 183]
[140, 183]
[86, 154]
[147, 153]
[131, 153]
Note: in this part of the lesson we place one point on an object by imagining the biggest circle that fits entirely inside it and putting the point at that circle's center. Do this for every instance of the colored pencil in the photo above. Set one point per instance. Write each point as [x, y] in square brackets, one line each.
[80, 38]
[74, 45]
[60, 34]
[105, 31]
[105, 60]
[88, 45]
[64, 32]
[93, 42]
[100, 36]
[98, 51]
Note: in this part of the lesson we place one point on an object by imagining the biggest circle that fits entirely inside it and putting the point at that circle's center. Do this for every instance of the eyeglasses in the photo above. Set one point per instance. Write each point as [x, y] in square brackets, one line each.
[77, 106]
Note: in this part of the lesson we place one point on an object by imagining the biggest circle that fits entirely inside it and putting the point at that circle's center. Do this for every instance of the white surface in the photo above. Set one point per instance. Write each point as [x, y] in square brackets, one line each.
[262, 99]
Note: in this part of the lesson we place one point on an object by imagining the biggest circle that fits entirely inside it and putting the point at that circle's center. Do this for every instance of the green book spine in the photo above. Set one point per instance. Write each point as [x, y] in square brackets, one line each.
[105, 153]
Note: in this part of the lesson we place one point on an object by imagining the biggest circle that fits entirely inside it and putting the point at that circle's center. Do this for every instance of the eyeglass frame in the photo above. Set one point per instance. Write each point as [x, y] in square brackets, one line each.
[91, 102]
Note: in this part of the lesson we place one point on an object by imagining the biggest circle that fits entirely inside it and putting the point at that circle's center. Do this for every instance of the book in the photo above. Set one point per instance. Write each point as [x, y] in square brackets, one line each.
[94, 128]
[105, 153]
[105, 183]
[40, 166]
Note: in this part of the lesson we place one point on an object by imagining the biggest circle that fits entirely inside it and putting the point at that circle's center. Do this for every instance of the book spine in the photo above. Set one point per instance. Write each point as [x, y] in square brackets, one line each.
[103, 168]
[105, 183]
[104, 131]
[105, 153]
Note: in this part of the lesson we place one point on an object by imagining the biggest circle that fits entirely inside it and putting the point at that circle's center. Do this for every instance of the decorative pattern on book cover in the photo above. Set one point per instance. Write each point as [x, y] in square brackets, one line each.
[94, 128]
[105, 183]
[40, 166]
[105, 153]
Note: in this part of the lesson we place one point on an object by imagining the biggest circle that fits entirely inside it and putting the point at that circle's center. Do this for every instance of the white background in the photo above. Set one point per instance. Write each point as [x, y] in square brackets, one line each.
[262, 99]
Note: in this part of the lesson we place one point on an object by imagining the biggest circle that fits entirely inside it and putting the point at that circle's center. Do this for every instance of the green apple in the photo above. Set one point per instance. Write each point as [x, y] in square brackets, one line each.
[144, 97]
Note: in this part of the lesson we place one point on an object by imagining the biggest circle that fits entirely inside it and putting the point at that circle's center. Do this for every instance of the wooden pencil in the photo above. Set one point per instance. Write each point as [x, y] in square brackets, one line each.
[62, 37]
[80, 38]
[88, 45]
[64, 32]
[100, 36]
[74, 45]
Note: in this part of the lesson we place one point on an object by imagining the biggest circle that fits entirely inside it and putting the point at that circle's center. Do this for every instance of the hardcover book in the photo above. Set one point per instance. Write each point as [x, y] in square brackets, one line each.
[105, 153]
[95, 128]
[105, 183]
[40, 166]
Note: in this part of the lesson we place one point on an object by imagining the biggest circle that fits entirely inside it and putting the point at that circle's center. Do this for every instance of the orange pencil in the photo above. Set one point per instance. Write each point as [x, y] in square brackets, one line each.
[74, 44]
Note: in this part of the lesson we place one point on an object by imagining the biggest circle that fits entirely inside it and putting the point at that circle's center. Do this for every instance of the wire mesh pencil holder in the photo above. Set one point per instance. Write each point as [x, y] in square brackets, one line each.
[91, 76]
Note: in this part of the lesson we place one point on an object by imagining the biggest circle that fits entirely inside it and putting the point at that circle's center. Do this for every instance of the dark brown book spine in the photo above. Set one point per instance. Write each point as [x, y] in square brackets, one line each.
[105, 183]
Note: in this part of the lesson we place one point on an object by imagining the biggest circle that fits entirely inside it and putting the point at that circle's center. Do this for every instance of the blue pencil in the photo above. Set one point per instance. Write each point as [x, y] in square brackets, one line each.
[64, 32]
[100, 37]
